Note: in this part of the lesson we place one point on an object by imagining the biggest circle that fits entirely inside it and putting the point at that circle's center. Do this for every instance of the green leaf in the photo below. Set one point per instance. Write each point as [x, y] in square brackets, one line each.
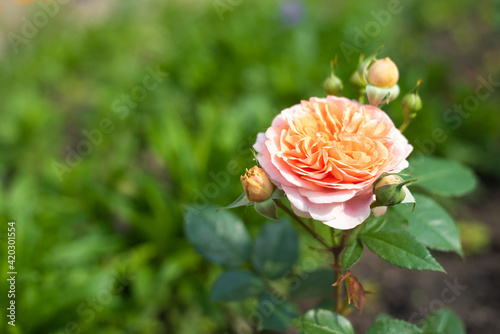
[432, 225]
[267, 208]
[312, 285]
[401, 250]
[393, 326]
[275, 313]
[240, 201]
[220, 237]
[323, 322]
[237, 285]
[373, 224]
[351, 255]
[444, 321]
[278, 193]
[275, 249]
[442, 177]
[396, 222]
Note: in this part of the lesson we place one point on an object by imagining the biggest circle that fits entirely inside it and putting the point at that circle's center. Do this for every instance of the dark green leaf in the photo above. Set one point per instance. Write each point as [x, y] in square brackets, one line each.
[220, 237]
[351, 255]
[393, 326]
[373, 224]
[275, 313]
[442, 177]
[395, 222]
[323, 322]
[267, 208]
[312, 285]
[237, 285]
[444, 321]
[240, 201]
[432, 225]
[401, 250]
[275, 249]
[278, 193]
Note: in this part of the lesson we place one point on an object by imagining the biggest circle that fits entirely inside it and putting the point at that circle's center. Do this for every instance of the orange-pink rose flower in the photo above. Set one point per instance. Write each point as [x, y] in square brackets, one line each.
[326, 153]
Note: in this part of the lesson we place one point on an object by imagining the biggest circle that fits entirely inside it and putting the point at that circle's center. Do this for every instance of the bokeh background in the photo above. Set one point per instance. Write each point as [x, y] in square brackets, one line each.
[115, 115]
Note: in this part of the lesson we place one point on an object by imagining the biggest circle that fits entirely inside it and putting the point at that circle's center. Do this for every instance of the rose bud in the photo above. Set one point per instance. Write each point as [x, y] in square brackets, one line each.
[412, 103]
[383, 73]
[333, 84]
[257, 185]
[389, 190]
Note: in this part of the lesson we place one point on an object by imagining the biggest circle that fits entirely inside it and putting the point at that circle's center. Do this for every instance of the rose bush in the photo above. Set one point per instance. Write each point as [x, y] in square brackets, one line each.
[326, 153]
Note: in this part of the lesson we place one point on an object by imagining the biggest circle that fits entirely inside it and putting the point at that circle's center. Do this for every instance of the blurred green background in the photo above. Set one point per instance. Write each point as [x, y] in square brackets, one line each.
[98, 157]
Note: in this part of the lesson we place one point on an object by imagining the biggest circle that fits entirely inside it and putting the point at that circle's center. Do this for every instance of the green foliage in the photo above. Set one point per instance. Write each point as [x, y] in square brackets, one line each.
[237, 285]
[323, 322]
[275, 313]
[351, 255]
[444, 321]
[401, 250]
[442, 177]
[393, 326]
[432, 225]
[221, 237]
[275, 249]
[314, 285]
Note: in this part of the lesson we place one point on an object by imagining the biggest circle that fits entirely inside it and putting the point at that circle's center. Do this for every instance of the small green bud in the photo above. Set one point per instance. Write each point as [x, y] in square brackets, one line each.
[257, 185]
[333, 85]
[412, 103]
[388, 190]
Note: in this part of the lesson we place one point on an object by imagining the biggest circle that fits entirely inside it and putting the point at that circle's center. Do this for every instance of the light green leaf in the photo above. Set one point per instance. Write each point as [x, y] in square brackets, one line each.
[393, 326]
[275, 249]
[275, 313]
[401, 250]
[220, 237]
[351, 255]
[432, 225]
[442, 177]
[323, 322]
[237, 285]
[444, 321]
[312, 285]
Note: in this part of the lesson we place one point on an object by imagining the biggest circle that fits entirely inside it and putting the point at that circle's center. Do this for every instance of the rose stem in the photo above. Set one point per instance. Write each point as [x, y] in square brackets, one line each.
[304, 225]
[404, 125]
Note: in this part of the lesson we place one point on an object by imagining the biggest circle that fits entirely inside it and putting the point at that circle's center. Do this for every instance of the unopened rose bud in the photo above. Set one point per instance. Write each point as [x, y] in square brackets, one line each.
[389, 190]
[257, 185]
[383, 73]
[332, 84]
[411, 104]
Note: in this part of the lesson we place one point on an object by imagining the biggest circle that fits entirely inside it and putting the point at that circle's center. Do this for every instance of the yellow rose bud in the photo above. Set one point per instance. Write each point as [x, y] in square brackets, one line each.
[383, 73]
[389, 190]
[257, 185]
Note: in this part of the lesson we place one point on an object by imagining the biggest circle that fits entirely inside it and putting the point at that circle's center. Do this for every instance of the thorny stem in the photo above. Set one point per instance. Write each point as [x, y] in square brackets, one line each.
[337, 302]
[336, 250]
[303, 224]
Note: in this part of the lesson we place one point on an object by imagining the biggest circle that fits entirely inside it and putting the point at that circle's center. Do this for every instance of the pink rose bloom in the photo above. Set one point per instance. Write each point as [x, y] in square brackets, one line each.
[326, 153]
